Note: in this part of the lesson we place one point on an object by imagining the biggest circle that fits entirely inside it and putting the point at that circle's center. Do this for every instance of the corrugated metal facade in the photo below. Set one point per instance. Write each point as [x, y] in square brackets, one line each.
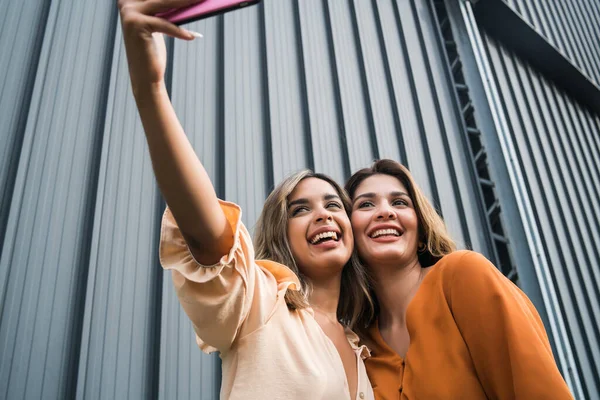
[543, 147]
[550, 141]
[557, 142]
[572, 26]
[86, 310]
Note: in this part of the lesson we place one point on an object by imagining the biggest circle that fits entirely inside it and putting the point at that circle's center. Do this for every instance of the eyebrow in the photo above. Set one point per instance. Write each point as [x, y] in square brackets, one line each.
[372, 195]
[305, 201]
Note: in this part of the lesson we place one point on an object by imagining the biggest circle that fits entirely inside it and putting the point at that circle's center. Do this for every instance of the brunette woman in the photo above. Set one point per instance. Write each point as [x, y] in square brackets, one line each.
[448, 324]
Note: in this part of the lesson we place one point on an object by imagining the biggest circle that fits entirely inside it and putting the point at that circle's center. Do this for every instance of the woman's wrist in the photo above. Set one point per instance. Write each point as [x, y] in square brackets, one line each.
[148, 92]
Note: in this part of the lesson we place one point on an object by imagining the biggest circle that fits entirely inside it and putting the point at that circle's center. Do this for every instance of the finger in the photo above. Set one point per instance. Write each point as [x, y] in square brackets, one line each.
[163, 26]
[152, 7]
[121, 4]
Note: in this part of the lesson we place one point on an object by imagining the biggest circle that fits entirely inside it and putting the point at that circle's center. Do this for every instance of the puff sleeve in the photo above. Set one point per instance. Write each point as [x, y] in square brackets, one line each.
[223, 300]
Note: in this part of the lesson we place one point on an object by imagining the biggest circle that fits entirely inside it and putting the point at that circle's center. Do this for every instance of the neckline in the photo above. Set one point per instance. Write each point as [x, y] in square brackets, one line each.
[351, 336]
[383, 344]
[379, 338]
[355, 350]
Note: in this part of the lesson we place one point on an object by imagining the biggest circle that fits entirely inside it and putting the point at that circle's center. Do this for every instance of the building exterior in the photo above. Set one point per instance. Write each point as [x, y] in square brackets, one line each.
[493, 105]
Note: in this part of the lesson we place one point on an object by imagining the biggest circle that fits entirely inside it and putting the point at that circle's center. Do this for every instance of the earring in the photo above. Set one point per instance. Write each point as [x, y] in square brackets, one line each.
[422, 247]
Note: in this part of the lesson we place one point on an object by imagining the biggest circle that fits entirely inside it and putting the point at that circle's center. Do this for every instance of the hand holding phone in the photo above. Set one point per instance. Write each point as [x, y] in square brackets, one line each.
[144, 42]
[204, 9]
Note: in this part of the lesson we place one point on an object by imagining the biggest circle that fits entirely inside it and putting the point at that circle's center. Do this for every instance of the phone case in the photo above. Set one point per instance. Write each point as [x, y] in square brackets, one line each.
[207, 8]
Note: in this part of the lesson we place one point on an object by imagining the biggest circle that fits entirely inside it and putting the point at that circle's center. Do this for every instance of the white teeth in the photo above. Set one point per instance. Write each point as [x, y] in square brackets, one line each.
[324, 235]
[382, 232]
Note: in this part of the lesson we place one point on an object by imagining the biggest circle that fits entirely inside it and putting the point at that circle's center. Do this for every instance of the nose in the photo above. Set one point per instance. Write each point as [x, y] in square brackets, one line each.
[323, 215]
[385, 212]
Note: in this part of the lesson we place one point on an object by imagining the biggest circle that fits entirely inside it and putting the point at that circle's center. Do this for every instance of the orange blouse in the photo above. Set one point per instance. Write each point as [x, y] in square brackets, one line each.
[473, 335]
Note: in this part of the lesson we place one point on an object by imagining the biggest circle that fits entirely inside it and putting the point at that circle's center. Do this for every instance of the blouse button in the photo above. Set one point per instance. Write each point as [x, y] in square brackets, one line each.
[361, 395]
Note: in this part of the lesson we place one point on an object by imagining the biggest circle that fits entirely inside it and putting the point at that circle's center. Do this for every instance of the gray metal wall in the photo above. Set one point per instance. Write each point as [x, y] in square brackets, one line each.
[543, 154]
[572, 26]
[85, 310]
[557, 143]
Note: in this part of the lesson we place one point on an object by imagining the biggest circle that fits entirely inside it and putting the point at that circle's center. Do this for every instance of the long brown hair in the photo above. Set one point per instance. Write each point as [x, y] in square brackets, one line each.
[271, 243]
[435, 241]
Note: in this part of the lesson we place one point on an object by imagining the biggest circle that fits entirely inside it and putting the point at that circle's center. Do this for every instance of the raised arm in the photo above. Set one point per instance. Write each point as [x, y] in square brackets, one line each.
[181, 177]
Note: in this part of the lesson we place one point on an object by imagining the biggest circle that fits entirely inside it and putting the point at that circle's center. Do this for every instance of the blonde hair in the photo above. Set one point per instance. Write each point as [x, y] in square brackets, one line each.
[435, 241]
[271, 243]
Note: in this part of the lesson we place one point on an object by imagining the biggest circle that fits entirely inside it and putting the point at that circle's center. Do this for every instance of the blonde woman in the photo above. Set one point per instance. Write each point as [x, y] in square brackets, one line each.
[280, 324]
[448, 324]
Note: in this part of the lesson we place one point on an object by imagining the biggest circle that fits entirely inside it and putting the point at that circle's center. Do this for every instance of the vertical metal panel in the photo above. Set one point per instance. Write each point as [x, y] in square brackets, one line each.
[379, 101]
[350, 81]
[46, 250]
[120, 336]
[290, 137]
[21, 35]
[419, 157]
[246, 154]
[325, 125]
[572, 26]
[554, 143]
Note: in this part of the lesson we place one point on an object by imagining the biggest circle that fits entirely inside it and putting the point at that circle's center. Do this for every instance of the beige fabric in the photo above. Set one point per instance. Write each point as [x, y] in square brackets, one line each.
[237, 307]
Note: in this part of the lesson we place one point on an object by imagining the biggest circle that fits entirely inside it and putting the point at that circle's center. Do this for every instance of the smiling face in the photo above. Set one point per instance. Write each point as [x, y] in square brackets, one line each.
[318, 229]
[384, 222]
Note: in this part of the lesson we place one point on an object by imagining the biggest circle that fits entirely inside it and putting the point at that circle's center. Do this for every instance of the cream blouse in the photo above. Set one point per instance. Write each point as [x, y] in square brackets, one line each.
[237, 307]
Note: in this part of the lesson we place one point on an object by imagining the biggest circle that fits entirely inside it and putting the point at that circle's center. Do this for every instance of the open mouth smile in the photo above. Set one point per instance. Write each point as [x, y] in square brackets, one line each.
[324, 237]
[385, 232]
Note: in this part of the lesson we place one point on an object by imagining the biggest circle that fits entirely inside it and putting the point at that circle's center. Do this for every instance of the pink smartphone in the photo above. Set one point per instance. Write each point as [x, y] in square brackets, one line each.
[205, 9]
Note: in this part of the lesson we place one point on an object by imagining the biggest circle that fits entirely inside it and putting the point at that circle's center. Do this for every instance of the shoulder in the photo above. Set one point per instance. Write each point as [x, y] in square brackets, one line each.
[282, 274]
[465, 261]
[469, 280]
[467, 269]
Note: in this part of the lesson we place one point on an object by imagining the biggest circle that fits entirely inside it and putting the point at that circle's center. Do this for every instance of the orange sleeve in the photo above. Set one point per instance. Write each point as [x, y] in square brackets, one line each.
[503, 332]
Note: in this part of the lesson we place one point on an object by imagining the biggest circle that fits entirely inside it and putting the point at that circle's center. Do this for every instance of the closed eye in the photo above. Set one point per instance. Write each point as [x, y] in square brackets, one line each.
[298, 210]
[334, 205]
[400, 202]
[365, 204]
